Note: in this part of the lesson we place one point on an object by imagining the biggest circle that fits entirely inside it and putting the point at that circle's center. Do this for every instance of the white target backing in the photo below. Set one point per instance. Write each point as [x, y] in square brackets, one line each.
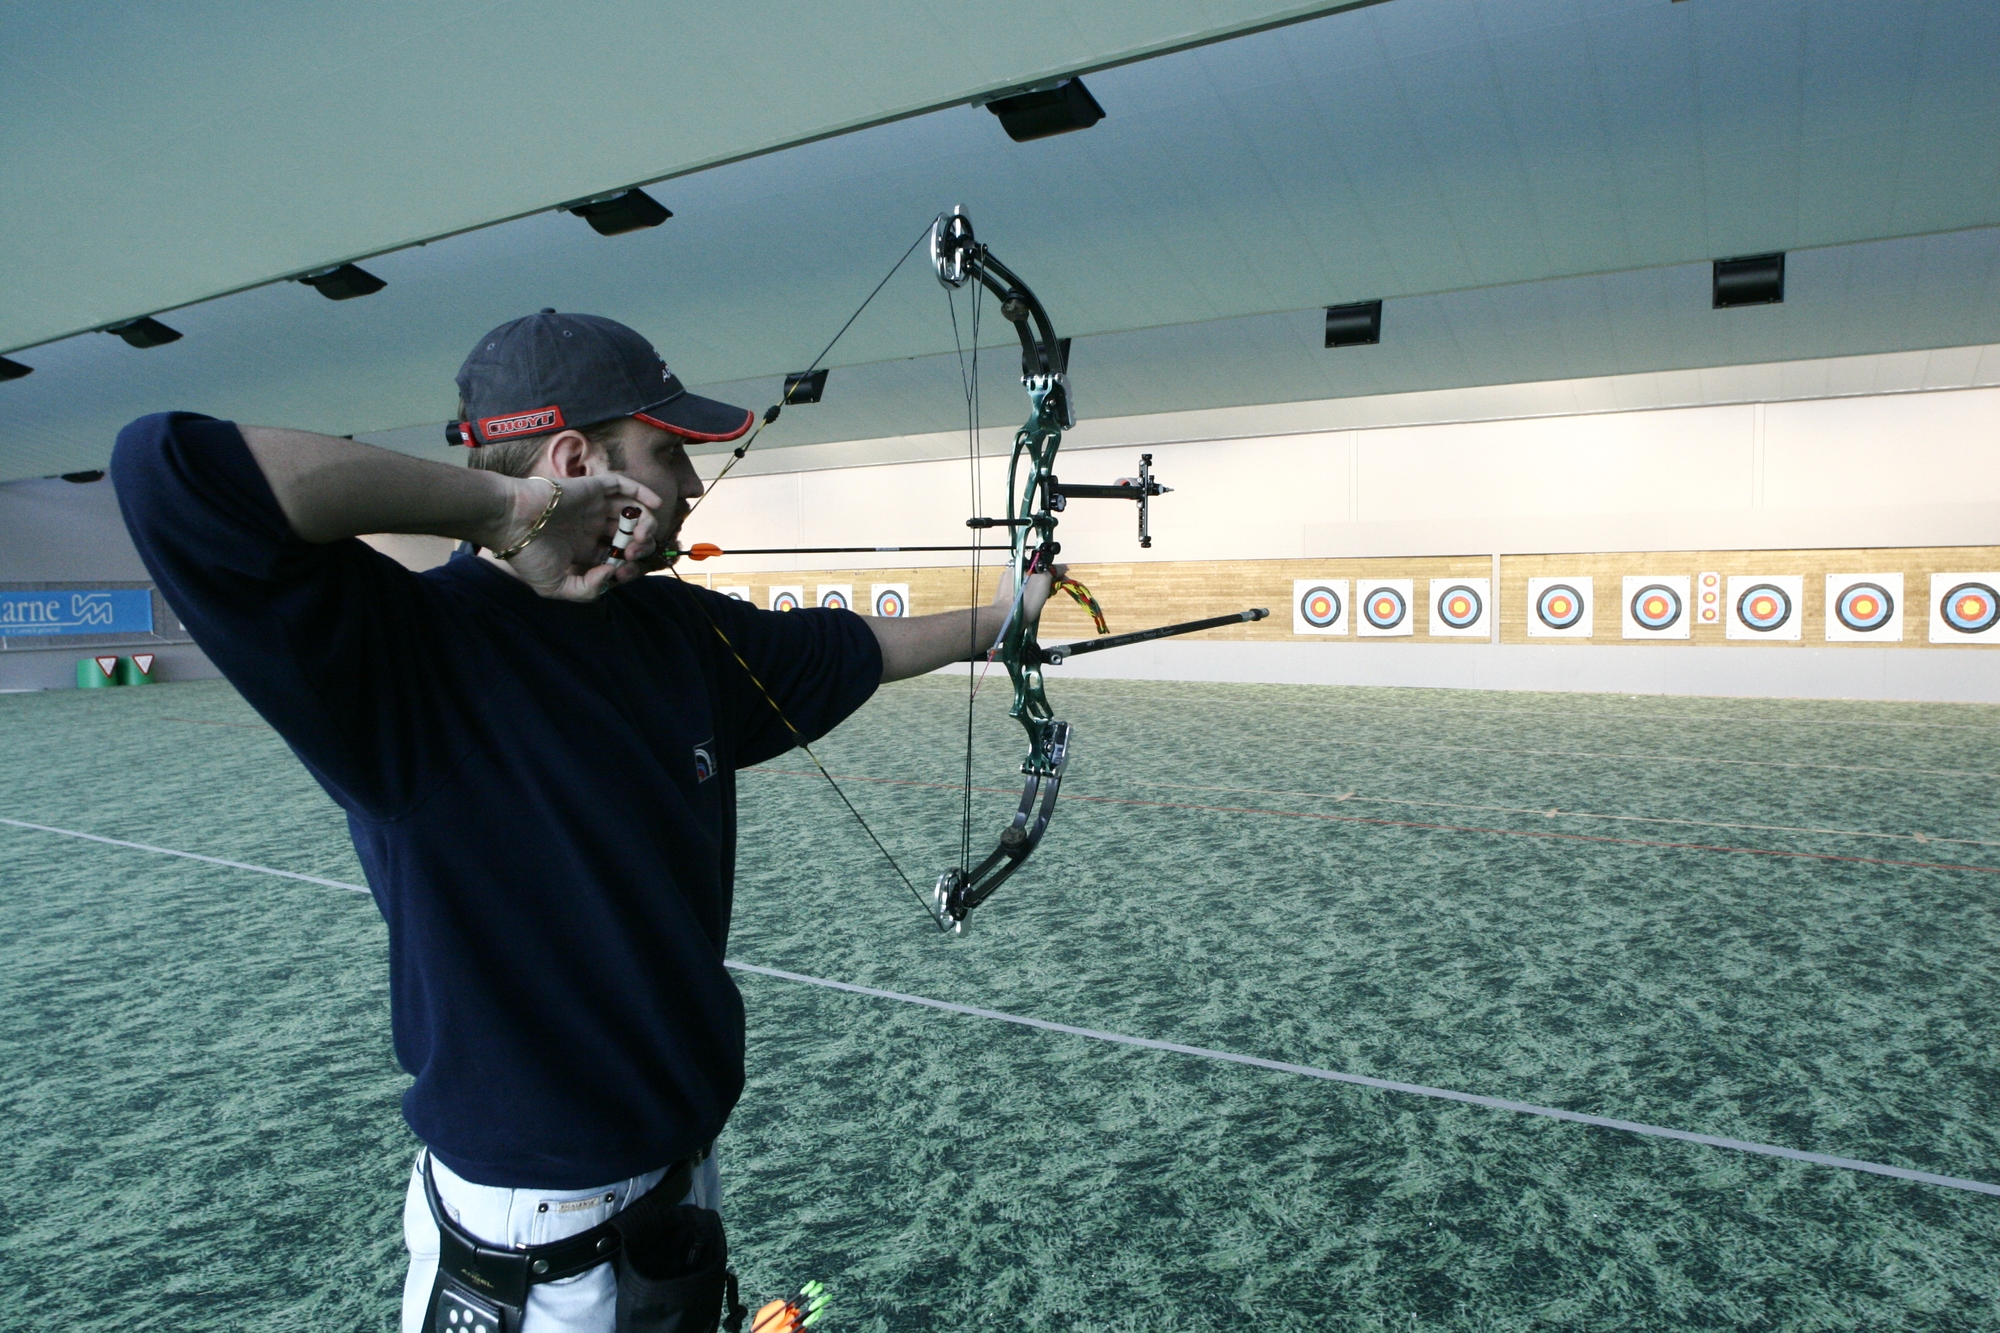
[789, 597]
[1965, 608]
[1709, 607]
[740, 591]
[1462, 608]
[891, 601]
[1864, 608]
[839, 595]
[1383, 609]
[1560, 607]
[1319, 606]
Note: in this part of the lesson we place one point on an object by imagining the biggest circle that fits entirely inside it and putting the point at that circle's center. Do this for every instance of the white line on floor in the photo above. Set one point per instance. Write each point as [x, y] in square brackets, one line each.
[1174, 1047]
[1387, 1085]
[189, 856]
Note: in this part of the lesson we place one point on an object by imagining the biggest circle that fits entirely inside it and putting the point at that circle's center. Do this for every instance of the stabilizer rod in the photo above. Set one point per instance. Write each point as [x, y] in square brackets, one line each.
[1054, 656]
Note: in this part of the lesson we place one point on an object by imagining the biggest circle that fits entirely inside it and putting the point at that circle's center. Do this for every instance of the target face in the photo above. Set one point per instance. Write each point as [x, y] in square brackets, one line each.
[1656, 607]
[787, 599]
[1864, 607]
[1764, 607]
[1708, 599]
[1460, 607]
[838, 596]
[1559, 607]
[1385, 608]
[892, 600]
[1970, 608]
[1320, 606]
[740, 593]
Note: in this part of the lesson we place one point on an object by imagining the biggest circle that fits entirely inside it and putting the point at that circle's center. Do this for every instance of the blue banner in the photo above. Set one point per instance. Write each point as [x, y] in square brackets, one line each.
[111, 611]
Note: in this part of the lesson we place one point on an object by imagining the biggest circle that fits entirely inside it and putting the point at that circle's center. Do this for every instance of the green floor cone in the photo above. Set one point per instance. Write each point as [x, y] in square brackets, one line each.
[94, 673]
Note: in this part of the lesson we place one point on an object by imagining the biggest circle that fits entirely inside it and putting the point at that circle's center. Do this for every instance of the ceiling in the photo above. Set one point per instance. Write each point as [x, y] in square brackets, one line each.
[1533, 186]
[158, 154]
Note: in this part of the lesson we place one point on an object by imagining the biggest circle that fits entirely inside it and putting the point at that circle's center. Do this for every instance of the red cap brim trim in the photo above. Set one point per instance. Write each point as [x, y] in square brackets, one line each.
[749, 420]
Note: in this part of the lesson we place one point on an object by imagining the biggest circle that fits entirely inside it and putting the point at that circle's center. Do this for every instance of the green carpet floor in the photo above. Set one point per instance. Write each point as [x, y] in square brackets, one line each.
[1772, 921]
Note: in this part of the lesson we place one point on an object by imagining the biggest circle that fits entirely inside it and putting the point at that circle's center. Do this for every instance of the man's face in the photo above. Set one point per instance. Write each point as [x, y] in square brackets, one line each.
[659, 460]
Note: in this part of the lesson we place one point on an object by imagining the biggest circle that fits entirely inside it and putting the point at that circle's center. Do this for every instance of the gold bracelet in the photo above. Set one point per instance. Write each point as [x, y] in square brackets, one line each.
[540, 523]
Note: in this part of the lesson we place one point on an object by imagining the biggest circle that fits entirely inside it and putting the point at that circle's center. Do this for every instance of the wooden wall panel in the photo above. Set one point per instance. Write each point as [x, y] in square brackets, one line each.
[1141, 594]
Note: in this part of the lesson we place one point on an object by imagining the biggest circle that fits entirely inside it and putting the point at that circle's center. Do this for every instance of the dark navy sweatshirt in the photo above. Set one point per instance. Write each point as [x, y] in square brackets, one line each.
[542, 795]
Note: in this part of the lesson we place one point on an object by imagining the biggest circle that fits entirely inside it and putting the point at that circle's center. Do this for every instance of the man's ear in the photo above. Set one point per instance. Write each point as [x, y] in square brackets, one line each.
[570, 454]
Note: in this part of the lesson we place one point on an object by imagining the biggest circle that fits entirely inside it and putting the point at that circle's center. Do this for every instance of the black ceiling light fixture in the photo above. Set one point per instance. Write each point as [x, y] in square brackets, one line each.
[1751, 280]
[616, 214]
[343, 282]
[1356, 325]
[1047, 111]
[804, 387]
[13, 370]
[144, 332]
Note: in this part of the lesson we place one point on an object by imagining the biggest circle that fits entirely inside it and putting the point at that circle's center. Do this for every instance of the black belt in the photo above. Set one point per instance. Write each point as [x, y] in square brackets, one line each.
[504, 1275]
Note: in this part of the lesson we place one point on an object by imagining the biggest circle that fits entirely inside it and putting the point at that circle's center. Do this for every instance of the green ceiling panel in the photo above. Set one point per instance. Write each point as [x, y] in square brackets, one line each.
[152, 155]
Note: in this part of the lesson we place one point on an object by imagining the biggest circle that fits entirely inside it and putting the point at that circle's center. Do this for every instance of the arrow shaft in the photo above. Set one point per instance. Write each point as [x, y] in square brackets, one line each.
[839, 550]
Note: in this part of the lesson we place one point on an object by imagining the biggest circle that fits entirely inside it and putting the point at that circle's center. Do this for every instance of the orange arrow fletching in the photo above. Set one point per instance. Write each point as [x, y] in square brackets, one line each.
[702, 551]
[777, 1317]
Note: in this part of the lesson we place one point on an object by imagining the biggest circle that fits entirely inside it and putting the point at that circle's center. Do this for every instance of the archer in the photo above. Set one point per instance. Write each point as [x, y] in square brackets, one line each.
[536, 749]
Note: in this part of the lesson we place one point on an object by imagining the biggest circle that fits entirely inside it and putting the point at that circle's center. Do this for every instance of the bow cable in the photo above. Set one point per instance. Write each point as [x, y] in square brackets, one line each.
[736, 456]
[969, 381]
[798, 382]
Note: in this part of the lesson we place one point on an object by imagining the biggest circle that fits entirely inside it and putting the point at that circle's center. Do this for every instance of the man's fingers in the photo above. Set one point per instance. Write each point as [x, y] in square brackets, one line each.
[645, 495]
[644, 536]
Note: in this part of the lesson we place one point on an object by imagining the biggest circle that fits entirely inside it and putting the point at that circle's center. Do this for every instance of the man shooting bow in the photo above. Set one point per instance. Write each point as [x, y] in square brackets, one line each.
[536, 751]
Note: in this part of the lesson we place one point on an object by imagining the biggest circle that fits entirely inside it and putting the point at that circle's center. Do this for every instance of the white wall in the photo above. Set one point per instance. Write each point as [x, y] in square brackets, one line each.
[1904, 469]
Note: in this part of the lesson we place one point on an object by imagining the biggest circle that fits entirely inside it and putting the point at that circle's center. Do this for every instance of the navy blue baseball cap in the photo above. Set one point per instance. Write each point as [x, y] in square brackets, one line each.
[548, 372]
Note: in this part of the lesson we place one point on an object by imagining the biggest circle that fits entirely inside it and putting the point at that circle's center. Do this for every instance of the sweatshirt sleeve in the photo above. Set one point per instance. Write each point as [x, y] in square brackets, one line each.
[818, 665]
[329, 642]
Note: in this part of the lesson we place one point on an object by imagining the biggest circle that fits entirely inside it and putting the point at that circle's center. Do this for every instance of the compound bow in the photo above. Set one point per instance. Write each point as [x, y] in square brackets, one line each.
[1034, 498]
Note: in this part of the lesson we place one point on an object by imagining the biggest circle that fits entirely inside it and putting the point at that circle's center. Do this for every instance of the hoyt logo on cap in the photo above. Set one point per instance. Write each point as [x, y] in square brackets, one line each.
[521, 423]
[492, 430]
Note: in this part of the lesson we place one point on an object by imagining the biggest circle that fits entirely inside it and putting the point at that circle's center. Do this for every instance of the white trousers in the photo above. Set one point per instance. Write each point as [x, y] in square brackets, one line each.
[581, 1304]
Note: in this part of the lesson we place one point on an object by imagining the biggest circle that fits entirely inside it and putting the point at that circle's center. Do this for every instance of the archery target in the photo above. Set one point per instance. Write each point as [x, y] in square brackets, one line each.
[1864, 608]
[1384, 607]
[1319, 606]
[1708, 608]
[1766, 606]
[838, 595]
[787, 599]
[736, 590]
[1965, 608]
[1459, 608]
[1559, 608]
[890, 600]
[1655, 606]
